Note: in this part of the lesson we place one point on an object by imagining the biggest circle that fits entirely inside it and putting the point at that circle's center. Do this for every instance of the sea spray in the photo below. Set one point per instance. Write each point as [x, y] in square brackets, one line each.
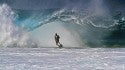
[92, 25]
[11, 35]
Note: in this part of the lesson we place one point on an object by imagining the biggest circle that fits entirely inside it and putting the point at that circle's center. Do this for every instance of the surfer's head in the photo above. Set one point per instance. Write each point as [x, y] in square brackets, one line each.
[55, 33]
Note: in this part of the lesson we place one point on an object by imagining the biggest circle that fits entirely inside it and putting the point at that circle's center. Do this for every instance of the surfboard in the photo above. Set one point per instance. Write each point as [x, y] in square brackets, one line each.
[60, 46]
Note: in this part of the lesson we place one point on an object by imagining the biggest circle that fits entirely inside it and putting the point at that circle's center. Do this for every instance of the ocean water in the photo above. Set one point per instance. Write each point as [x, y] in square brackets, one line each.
[62, 59]
[36, 28]
[92, 35]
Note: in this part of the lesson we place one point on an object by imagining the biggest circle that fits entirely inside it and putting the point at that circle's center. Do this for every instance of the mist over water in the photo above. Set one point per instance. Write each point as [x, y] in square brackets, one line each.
[45, 35]
[90, 26]
[11, 35]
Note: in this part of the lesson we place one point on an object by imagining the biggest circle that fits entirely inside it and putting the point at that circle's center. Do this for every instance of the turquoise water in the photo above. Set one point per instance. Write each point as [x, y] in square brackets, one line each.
[95, 36]
[85, 27]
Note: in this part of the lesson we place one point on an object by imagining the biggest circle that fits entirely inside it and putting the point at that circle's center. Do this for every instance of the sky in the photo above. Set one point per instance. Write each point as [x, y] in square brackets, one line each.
[50, 4]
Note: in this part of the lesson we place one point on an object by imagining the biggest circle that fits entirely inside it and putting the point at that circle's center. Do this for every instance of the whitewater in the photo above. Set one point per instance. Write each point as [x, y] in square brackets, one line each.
[62, 59]
[10, 34]
[92, 27]
[92, 38]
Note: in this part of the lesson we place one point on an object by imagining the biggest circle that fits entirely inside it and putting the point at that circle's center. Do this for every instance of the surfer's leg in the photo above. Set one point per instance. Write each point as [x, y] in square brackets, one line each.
[56, 43]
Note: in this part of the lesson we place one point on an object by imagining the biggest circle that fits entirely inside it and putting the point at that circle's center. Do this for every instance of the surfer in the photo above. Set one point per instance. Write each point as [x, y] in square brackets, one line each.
[57, 37]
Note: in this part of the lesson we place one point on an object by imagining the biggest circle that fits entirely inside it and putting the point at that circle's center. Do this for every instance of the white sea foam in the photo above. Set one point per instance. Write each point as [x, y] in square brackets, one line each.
[11, 35]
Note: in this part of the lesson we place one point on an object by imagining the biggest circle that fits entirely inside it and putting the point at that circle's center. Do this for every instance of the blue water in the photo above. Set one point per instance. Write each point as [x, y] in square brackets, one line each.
[95, 35]
[31, 19]
[93, 25]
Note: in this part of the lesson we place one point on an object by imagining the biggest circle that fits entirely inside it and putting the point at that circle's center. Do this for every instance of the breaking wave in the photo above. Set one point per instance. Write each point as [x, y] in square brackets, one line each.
[79, 28]
[10, 34]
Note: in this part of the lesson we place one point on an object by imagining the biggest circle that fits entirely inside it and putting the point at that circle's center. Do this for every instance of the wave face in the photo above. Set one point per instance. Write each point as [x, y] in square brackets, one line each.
[92, 27]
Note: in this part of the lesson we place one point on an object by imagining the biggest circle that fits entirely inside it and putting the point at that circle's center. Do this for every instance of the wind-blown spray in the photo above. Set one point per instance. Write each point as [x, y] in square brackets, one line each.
[11, 35]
